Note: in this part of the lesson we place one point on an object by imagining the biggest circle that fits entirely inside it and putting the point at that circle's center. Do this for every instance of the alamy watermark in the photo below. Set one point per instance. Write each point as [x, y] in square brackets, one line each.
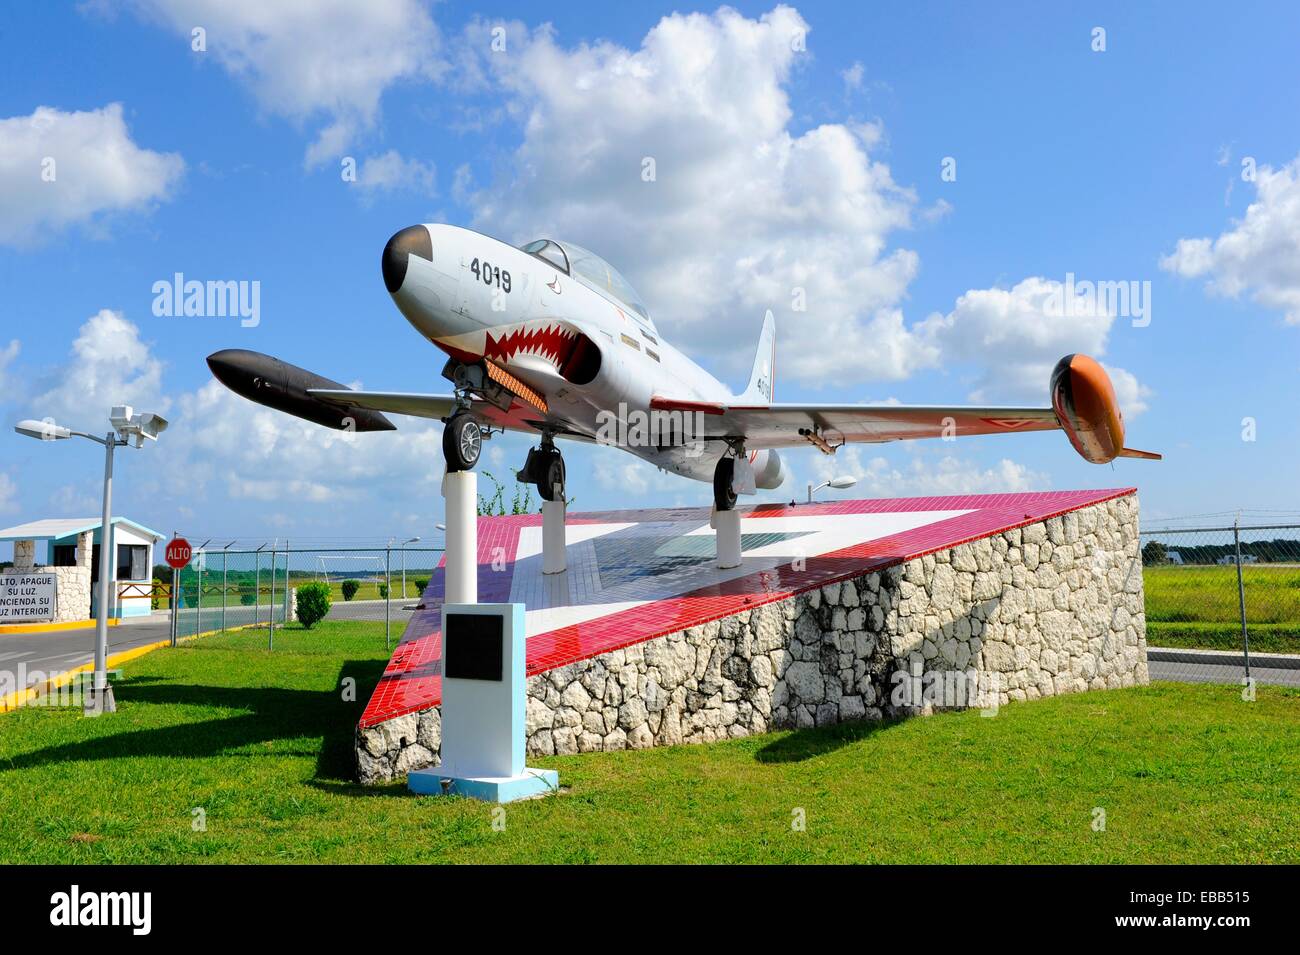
[656, 428]
[1085, 298]
[946, 689]
[74, 693]
[179, 297]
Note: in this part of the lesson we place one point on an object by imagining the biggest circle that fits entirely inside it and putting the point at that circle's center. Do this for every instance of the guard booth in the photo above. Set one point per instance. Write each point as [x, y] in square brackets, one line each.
[72, 557]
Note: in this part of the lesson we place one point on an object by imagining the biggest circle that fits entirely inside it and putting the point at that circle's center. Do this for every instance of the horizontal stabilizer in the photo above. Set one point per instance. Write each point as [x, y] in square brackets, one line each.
[1145, 455]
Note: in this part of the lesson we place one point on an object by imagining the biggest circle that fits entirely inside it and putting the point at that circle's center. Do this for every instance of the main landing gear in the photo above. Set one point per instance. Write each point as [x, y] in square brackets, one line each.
[544, 468]
[462, 441]
[724, 491]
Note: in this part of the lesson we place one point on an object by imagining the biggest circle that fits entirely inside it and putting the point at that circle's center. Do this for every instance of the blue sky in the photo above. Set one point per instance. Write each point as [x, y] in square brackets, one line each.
[225, 164]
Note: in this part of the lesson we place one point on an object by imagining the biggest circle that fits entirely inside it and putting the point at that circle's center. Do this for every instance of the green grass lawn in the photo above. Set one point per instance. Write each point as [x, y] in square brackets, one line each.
[261, 741]
[1198, 607]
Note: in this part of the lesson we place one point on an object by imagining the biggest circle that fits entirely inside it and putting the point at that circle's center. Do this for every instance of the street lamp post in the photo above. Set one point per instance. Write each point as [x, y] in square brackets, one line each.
[128, 428]
[413, 540]
[839, 483]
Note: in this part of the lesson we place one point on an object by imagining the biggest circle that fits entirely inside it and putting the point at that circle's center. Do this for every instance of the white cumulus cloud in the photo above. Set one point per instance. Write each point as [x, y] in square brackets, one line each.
[1013, 337]
[392, 172]
[1260, 254]
[679, 162]
[110, 365]
[219, 443]
[60, 169]
[927, 474]
[324, 61]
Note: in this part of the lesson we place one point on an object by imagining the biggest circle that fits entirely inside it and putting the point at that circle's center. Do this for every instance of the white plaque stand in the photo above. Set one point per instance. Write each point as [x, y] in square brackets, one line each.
[483, 709]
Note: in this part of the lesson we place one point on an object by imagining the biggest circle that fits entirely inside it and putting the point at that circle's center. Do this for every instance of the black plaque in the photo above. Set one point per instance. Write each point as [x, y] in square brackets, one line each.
[471, 646]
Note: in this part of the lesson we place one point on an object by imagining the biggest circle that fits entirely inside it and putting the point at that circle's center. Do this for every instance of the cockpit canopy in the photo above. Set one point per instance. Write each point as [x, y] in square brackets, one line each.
[591, 270]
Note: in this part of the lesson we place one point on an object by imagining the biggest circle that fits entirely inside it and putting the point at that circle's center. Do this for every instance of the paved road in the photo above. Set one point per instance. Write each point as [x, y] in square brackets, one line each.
[32, 657]
[1218, 673]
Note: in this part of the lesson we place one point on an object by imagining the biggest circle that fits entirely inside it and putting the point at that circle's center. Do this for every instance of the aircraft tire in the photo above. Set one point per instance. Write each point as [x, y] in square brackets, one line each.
[462, 440]
[551, 473]
[724, 498]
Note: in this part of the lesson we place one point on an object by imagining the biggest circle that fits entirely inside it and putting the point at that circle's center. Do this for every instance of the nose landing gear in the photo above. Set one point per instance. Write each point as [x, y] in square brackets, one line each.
[544, 467]
[462, 441]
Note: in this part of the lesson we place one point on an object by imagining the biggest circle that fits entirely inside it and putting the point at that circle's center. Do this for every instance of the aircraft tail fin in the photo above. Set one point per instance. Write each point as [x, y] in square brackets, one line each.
[760, 388]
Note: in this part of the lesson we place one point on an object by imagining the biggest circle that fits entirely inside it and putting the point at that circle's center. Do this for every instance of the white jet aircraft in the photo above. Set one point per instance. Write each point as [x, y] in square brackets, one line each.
[549, 339]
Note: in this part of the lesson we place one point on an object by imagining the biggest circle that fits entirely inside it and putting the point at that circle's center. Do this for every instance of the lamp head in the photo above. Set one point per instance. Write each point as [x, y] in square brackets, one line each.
[842, 482]
[45, 430]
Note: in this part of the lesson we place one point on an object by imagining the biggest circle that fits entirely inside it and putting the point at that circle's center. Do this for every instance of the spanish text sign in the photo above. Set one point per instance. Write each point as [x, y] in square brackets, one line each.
[26, 598]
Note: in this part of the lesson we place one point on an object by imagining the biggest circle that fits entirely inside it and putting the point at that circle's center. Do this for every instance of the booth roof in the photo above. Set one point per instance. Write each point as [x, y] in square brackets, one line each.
[58, 528]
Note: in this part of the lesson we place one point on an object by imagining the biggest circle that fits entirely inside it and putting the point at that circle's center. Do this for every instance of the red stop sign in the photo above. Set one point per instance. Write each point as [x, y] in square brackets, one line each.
[179, 552]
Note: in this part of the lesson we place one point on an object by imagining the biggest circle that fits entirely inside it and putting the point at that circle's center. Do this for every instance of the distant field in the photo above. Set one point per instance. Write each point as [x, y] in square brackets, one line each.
[369, 590]
[1198, 607]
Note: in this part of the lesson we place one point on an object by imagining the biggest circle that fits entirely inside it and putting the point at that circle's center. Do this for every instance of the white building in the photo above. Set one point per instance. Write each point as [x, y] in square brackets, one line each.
[72, 555]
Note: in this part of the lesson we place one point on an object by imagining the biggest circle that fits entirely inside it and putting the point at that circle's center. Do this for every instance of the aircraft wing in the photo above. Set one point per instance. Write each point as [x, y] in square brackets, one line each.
[397, 402]
[796, 425]
[519, 417]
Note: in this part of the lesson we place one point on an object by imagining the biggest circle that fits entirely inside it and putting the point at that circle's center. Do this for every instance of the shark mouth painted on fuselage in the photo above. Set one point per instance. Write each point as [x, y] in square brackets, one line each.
[551, 341]
[564, 347]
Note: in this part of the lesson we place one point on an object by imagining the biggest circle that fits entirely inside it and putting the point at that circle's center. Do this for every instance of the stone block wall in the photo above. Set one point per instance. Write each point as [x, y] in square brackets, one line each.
[73, 584]
[1053, 607]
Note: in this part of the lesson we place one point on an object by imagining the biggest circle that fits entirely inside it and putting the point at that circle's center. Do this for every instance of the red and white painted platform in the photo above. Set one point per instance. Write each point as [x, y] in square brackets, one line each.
[636, 575]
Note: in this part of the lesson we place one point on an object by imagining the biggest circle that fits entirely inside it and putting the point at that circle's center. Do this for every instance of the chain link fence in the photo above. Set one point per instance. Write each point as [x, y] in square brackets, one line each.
[1223, 603]
[228, 589]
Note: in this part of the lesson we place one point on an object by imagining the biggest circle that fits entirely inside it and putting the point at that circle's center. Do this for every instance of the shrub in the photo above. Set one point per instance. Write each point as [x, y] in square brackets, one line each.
[156, 598]
[247, 595]
[313, 603]
[420, 584]
[383, 591]
[350, 588]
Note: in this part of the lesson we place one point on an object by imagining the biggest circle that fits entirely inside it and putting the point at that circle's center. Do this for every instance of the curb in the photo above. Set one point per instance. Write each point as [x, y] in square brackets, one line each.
[18, 629]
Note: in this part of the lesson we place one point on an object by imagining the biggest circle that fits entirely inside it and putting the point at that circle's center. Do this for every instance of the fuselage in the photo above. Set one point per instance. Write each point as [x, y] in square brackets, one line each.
[590, 352]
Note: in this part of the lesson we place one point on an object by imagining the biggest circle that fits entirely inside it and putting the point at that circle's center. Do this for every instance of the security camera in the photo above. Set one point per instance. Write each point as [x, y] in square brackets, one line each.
[151, 425]
[136, 427]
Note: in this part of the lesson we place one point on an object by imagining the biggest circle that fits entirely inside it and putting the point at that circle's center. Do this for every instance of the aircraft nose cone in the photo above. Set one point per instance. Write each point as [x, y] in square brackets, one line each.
[229, 365]
[413, 240]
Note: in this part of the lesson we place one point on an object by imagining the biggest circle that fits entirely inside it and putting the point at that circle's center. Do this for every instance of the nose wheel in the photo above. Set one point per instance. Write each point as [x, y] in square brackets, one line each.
[544, 468]
[462, 440]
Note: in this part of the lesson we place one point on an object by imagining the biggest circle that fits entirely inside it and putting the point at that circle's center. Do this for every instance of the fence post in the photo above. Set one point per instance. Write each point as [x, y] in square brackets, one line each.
[225, 560]
[388, 596]
[1241, 596]
[287, 608]
[270, 617]
[175, 600]
[257, 587]
[198, 604]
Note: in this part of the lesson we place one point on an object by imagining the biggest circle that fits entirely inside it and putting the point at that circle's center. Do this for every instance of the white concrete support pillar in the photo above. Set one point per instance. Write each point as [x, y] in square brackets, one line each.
[553, 560]
[460, 488]
[726, 528]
